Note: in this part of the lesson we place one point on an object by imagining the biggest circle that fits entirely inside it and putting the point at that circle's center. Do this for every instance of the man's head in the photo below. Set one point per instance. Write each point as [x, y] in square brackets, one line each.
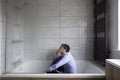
[64, 48]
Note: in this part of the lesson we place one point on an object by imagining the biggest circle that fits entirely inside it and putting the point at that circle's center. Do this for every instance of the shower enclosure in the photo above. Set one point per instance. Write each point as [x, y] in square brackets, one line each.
[36, 28]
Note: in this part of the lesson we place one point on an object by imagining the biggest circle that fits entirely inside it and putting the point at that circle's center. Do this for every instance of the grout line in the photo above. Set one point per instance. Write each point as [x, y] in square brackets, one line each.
[59, 23]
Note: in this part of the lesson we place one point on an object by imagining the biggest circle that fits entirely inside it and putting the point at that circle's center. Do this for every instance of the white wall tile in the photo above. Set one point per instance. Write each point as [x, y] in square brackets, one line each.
[0, 13]
[0, 66]
[87, 11]
[1, 28]
[45, 43]
[79, 54]
[39, 21]
[1, 48]
[28, 43]
[47, 54]
[74, 3]
[87, 21]
[87, 3]
[71, 11]
[49, 32]
[48, 2]
[48, 11]
[73, 43]
[1, 10]
[70, 32]
[70, 22]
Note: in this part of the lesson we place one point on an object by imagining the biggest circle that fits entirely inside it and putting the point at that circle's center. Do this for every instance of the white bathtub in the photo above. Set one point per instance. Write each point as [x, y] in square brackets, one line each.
[86, 69]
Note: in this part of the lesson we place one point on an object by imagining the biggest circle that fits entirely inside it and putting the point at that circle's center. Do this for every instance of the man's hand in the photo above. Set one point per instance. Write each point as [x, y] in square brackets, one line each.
[58, 51]
[49, 69]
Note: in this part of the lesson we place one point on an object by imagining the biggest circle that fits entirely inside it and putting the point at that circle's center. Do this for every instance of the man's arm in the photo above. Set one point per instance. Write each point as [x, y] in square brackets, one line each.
[63, 61]
[56, 59]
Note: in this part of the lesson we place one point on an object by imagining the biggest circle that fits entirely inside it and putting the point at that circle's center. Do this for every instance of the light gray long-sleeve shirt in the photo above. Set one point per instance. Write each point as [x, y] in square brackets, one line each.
[67, 61]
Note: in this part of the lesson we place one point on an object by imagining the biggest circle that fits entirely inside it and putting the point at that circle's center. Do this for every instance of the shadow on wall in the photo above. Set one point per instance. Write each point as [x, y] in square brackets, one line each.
[51, 54]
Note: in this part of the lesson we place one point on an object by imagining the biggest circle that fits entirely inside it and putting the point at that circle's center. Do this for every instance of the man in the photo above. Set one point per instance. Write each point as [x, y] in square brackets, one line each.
[64, 63]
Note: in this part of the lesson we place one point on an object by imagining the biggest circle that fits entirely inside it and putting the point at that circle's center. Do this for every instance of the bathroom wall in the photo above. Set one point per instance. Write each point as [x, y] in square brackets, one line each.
[14, 36]
[113, 24]
[36, 28]
[2, 22]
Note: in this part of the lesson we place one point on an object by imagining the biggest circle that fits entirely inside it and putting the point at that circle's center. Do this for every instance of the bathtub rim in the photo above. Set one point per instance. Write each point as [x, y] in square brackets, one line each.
[86, 75]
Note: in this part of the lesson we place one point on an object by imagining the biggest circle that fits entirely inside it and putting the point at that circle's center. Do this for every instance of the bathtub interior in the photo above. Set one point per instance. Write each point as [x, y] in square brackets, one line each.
[39, 67]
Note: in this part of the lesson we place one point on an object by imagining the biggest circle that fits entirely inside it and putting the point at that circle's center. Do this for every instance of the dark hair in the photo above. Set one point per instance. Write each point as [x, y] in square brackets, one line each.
[66, 47]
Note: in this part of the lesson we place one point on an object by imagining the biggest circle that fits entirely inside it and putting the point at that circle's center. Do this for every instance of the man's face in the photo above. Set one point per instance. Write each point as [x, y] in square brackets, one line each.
[61, 49]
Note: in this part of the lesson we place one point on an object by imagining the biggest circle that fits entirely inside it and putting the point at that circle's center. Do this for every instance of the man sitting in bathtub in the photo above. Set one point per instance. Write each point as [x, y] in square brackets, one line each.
[64, 63]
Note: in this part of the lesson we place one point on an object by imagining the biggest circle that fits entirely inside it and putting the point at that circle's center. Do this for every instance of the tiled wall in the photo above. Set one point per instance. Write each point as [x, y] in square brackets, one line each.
[45, 24]
[2, 39]
[14, 36]
[53, 22]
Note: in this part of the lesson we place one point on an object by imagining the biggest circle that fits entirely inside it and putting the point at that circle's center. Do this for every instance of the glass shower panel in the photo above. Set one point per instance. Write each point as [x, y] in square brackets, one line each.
[36, 28]
[14, 37]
